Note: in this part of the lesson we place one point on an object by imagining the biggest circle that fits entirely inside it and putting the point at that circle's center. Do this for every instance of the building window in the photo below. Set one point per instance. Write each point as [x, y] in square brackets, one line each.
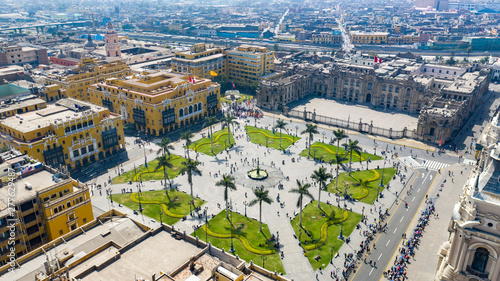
[480, 260]
[76, 153]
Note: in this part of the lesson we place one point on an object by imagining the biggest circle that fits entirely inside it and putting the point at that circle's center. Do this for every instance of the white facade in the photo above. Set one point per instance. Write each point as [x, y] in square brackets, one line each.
[495, 71]
[207, 32]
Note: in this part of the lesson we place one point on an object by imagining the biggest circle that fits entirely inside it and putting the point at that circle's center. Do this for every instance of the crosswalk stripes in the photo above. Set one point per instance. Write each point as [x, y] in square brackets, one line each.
[422, 163]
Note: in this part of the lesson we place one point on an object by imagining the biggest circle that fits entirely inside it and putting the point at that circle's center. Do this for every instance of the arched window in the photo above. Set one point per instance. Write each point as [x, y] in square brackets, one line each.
[200, 106]
[91, 122]
[350, 92]
[382, 98]
[384, 87]
[396, 90]
[480, 259]
[181, 112]
[190, 109]
[195, 107]
[357, 83]
[79, 125]
[389, 98]
[390, 88]
[73, 128]
[67, 129]
[334, 80]
[346, 82]
[352, 82]
[370, 85]
[85, 124]
[408, 91]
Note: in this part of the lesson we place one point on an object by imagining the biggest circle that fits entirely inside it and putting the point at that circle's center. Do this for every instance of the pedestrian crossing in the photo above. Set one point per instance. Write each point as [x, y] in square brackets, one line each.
[416, 163]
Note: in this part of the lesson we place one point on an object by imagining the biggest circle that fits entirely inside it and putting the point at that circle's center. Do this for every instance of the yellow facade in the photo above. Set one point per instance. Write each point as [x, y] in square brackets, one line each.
[66, 206]
[89, 71]
[373, 38]
[247, 64]
[63, 135]
[158, 103]
[48, 204]
[199, 61]
[404, 39]
[326, 38]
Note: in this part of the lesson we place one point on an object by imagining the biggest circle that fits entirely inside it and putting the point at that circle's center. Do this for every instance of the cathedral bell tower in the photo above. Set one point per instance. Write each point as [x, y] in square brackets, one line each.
[111, 39]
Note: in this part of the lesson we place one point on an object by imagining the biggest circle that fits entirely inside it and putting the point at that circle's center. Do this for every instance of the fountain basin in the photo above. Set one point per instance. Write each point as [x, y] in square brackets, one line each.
[260, 175]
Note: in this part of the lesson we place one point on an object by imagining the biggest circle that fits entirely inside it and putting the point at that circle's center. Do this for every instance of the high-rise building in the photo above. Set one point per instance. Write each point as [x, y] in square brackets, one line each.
[248, 64]
[22, 55]
[69, 133]
[112, 44]
[158, 103]
[46, 204]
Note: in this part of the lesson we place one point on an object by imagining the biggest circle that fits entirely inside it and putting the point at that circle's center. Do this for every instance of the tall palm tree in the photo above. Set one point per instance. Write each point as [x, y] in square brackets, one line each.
[187, 136]
[209, 122]
[302, 190]
[280, 124]
[350, 148]
[339, 135]
[228, 120]
[227, 182]
[321, 176]
[165, 147]
[338, 159]
[164, 161]
[262, 196]
[311, 129]
[191, 168]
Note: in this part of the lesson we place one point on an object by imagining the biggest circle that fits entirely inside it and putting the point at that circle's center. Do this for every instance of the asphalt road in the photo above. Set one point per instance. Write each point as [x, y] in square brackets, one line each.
[388, 243]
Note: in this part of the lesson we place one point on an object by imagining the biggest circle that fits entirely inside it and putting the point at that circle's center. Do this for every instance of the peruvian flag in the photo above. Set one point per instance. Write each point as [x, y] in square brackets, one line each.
[190, 79]
[233, 85]
[193, 80]
[377, 60]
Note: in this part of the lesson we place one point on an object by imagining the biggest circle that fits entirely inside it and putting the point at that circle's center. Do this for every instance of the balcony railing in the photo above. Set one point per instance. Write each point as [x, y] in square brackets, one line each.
[477, 273]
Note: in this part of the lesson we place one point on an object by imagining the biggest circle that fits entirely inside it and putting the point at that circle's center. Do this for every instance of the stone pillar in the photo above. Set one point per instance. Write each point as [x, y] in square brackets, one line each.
[390, 133]
[370, 128]
[314, 115]
[305, 114]
[360, 126]
[405, 132]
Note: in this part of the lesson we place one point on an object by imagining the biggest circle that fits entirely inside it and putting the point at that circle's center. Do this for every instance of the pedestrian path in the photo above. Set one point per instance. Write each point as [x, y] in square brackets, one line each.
[422, 163]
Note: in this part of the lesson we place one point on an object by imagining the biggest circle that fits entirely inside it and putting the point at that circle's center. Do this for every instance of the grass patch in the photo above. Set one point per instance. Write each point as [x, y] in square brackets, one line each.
[267, 138]
[326, 153]
[355, 188]
[178, 206]
[149, 173]
[220, 138]
[248, 228]
[243, 97]
[312, 221]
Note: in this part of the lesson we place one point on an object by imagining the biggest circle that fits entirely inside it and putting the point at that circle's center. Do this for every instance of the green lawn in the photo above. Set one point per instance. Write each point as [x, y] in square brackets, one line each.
[149, 173]
[268, 139]
[326, 152]
[312, 221]
[220, 138]
[153, 202]
[243, 97]
[248, 228]
[356, 187]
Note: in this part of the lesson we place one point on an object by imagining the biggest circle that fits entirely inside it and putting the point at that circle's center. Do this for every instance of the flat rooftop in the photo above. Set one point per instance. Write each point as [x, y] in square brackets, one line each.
[22, 104]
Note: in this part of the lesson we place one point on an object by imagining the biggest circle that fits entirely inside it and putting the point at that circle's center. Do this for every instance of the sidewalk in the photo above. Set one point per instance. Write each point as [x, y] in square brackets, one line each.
[424, 265]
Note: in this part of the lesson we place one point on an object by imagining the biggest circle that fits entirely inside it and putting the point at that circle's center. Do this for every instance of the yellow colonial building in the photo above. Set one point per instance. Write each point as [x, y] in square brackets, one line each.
[247, 64]
[372, 38]
[327, 38]
[88, 72]
[46, 205]
[158, 103]
[69, 133]
[199, 61]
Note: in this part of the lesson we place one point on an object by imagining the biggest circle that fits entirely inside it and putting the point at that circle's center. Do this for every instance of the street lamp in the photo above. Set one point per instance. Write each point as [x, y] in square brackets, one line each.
[160, 213]
[245, 203]
[206, 224]
[331, 260]
[324, 133]
[263, 260]
[145, 158]
[232, 250]
[296, 131]
[341, 236]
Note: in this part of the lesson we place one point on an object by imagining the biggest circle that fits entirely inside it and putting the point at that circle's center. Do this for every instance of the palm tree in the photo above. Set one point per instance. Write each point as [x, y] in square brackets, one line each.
[321, 176]
[209, 122]
[339, 135]
[338, 160]
[164, 162]
[187, 136]
[165, 147]
[302, 190]
[262, 196]
[228, 183]
[228, 120]
[350, 148]
[280, 124]
[311, 129]
[191, 168]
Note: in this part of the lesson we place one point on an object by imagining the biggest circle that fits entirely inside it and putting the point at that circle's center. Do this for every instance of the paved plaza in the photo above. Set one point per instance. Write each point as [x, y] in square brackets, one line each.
[383, 118]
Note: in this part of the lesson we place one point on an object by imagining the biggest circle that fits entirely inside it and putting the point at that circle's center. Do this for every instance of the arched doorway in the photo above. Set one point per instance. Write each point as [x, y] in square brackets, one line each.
[368, 97]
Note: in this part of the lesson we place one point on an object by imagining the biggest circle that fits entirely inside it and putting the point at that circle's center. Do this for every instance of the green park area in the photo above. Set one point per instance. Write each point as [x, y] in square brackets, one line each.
[156, 202]
[320, 231]
[326, 153]
[149, 173]
[269, 139]
[239, 98]
[220, 141]
[248, 241]
[362, 185]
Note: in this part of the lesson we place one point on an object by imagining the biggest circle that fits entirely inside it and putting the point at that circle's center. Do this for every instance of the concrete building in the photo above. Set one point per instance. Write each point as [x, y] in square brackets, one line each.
[327, 38]
[74, 83]
[47, 204]
[68, 133]
[22, 55]
[473, 249]
[371, 38]
[158, 103]
[199, 61]
[249, 64]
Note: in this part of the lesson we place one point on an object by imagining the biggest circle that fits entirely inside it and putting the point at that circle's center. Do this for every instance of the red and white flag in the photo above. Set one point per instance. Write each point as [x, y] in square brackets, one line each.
[377, 60]
[190, 79]
[233, 86]
[193, 80]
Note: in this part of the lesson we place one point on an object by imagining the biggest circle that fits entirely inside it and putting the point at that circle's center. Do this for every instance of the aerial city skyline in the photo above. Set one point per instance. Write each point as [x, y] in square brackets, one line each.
[250, 140]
